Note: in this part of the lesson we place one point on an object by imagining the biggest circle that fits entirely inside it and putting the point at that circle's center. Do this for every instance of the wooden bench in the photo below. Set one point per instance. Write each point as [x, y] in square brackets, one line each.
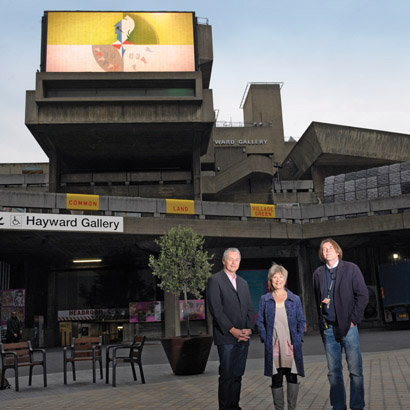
[125, 353]
[82, 349]
[21, 354]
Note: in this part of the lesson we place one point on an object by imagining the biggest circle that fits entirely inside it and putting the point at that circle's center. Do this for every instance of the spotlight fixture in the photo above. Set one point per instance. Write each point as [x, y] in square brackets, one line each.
[90, 260]
[395, 256]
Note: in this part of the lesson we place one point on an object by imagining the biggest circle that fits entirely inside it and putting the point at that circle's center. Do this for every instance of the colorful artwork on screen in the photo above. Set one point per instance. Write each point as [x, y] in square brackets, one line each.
[119, 42]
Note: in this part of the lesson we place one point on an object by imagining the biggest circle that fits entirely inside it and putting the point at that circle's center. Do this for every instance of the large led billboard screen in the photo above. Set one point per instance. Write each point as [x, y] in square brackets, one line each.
[75, 41]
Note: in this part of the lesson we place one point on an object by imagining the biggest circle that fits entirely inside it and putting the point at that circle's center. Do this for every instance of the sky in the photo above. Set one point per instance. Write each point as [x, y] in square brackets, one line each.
[343, 62]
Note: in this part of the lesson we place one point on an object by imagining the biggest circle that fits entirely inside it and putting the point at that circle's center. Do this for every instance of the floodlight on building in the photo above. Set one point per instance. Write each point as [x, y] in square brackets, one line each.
[90, 260]
[395, 256]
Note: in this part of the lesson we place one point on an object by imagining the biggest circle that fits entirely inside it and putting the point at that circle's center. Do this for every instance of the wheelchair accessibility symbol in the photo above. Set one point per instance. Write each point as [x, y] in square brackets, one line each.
[15, 220]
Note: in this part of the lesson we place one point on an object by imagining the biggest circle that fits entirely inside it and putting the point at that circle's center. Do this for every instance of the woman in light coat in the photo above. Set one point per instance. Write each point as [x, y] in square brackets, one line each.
[281, 325]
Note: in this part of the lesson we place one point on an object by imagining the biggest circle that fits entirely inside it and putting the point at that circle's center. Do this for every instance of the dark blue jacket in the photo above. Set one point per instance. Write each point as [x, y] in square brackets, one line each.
[229, 307]
[351, 294]
[296, 320]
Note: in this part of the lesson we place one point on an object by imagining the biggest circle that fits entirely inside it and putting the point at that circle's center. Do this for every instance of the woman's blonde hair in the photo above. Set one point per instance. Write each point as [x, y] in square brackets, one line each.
[335, 245]
[275, 269]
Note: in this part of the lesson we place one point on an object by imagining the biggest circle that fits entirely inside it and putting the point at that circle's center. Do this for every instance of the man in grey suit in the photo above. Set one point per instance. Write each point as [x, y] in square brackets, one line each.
[231, 307]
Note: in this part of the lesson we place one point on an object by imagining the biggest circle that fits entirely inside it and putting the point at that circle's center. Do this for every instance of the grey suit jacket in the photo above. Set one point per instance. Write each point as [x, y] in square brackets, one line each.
[229, 307]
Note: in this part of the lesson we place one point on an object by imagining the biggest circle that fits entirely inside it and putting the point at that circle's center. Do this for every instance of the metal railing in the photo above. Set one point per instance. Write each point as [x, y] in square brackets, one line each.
[242, 124]
[257, 83]
[203, 20]
[152, 207]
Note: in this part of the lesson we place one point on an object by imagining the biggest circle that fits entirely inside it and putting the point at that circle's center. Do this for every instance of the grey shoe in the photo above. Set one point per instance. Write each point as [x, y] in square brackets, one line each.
[278, 398]
[293, 390]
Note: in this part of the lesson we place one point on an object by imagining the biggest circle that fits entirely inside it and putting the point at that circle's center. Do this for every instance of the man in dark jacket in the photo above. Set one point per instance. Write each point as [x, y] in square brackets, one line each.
[14, 328]
[231, 307]
[341, 297]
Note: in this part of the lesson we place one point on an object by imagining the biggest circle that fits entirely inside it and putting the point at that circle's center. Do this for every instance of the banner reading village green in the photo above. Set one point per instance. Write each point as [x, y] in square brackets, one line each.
[119, 41]
[263, 211]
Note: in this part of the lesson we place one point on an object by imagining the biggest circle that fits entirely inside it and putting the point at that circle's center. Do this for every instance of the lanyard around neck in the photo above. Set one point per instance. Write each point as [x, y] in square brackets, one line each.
[333, 278]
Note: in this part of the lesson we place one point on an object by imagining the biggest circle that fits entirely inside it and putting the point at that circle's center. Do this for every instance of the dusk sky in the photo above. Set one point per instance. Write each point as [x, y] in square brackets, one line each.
[345, 62]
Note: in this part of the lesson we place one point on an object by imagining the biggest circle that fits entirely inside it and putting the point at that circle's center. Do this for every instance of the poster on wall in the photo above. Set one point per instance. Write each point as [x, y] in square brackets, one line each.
[196, 309]
[142, 312]
[146, 312]
[12, 299]
[75, 41]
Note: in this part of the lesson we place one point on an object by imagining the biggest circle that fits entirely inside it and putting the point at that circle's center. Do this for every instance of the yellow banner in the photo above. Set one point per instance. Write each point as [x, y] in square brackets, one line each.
[180, 206]
[263, 211]
[83, 202]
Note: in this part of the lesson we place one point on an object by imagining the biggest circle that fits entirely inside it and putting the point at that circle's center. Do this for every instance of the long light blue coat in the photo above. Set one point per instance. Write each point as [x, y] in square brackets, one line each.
[296, 321]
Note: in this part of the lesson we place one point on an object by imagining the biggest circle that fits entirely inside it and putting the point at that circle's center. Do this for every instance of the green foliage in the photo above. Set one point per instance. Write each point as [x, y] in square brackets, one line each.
[182, 265]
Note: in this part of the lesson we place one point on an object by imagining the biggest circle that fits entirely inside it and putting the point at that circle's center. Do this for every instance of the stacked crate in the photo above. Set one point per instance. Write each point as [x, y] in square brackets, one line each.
[381, 182]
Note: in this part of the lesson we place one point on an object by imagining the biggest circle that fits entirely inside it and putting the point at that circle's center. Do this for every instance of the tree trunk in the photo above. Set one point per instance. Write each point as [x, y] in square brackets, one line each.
[186, 311]
[172, 322]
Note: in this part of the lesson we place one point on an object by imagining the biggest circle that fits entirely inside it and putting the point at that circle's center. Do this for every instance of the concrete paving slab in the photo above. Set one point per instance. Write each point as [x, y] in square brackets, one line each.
[387, 386]
[386, 364]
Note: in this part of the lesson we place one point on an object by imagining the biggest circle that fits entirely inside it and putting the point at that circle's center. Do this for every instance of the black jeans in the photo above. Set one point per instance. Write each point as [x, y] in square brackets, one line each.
[232, 362]
[277, 379]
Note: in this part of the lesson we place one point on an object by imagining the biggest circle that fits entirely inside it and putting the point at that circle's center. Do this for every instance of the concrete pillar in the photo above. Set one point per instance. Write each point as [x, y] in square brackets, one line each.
[209, 321]
[4, 275]
[196, 168]
[29, 271]
[52, 330]
[172, 322]
[307, 263]
[54, 174]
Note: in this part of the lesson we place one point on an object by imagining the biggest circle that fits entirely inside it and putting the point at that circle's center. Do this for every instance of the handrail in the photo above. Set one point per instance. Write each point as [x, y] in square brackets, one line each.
[280, 84]
[15, 201]
[203, 20]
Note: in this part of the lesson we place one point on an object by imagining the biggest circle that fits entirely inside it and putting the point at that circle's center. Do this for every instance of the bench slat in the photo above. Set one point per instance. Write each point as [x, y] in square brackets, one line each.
[83, 340]
[84, 347]
[86, 354]
[79, 359]
[15, 346]
[24, 352]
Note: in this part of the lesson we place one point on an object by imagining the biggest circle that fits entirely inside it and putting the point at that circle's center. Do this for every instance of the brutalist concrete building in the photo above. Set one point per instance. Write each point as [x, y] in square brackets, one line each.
[124, 110]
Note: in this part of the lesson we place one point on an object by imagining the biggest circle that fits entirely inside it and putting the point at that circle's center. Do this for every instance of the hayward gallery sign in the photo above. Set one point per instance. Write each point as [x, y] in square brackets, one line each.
[55, 222]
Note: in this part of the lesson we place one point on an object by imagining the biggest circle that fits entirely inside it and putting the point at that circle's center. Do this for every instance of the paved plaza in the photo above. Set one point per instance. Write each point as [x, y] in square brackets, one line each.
[386, 373]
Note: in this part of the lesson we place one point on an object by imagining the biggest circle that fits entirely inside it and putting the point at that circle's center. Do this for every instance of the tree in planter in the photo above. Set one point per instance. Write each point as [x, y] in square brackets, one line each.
[182, 265]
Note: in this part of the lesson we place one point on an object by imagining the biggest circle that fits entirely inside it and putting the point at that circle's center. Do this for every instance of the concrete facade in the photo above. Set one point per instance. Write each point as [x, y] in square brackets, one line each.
[104, 138]
[328, 149]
